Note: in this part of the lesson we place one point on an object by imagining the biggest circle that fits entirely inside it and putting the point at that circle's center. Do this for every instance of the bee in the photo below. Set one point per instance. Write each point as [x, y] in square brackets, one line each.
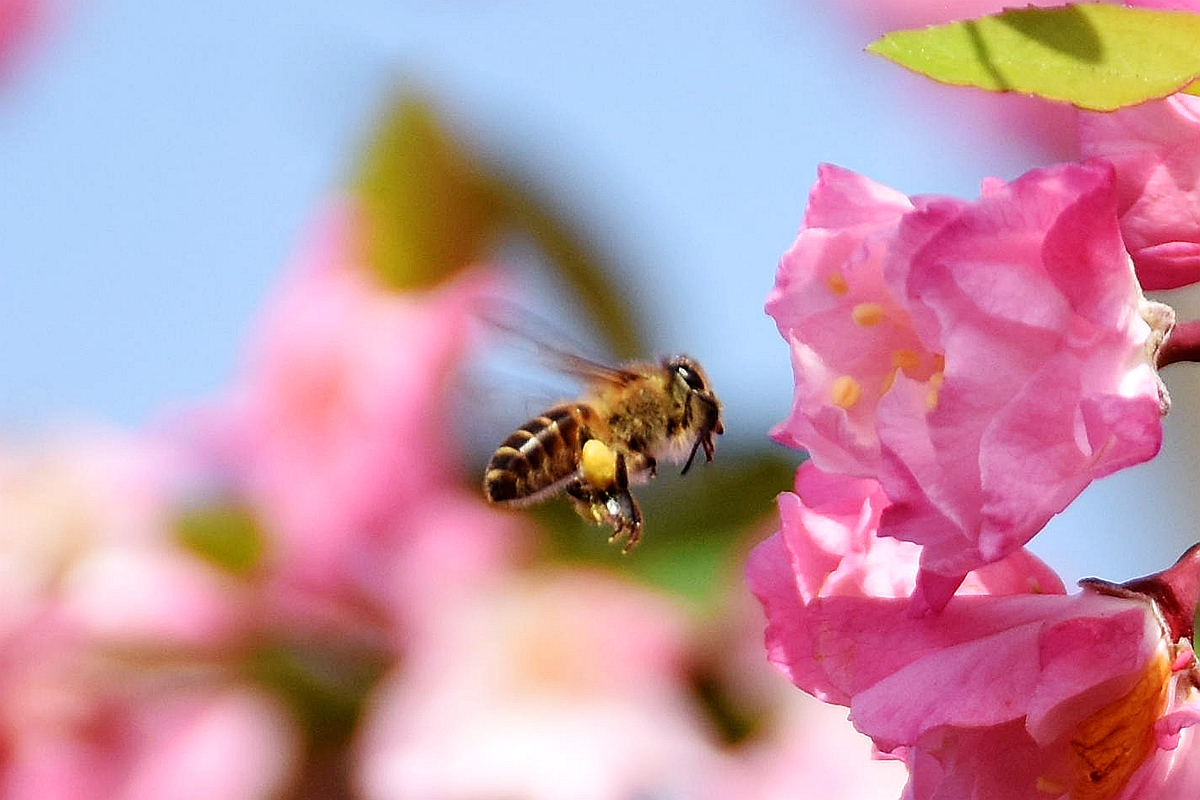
[592, 449]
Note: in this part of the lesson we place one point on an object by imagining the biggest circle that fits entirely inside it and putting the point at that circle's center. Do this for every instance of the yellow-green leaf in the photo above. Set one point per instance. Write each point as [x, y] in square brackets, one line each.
[581, 265]
[226, 536]
[426, 213]
[1096, 57]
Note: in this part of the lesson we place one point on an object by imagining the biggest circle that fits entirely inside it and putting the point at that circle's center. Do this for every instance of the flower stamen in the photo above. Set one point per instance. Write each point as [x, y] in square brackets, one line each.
[836, 283]
[1110, 745]
[935, 386]
[845, 392]
[907, 361]
[867, 314]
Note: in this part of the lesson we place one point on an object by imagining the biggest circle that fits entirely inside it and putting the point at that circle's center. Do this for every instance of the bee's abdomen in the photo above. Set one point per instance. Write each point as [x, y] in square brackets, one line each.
[537, 455]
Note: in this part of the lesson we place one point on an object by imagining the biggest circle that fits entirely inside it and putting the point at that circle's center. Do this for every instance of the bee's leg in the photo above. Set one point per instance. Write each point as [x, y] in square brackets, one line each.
[630, 524]
[640, 464]
[614, 507]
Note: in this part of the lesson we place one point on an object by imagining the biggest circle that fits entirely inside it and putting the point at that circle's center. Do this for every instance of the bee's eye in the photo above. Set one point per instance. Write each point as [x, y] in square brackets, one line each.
[690, 377]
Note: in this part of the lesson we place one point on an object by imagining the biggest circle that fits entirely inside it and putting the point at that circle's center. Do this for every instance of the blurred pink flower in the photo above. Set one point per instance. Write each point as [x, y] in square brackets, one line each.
[1155, 148]
[791, 746]
[80, 723]
[1022, 692]
[564, 685]
[18, 19]
[338, 433]
[87, 530]
[985, 361]
[103, 690]
[811, 753]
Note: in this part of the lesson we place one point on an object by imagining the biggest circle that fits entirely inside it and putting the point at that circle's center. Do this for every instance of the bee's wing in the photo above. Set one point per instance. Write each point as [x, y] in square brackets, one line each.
[588, 370]
[524, 326]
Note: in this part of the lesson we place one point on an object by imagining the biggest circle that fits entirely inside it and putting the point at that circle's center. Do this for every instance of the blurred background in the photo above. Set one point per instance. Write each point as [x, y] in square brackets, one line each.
[162, 166]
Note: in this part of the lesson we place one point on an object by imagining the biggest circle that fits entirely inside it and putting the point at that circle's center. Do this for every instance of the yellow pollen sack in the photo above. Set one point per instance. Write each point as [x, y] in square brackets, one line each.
[598, 463]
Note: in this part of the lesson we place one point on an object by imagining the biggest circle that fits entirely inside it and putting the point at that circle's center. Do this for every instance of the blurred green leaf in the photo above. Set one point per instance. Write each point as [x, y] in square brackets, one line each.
[227, 536]
[576, 260]
[733, 720]
[432, 208]
[1096, 57]
[695, 527]
[427, 215]
[325, 684]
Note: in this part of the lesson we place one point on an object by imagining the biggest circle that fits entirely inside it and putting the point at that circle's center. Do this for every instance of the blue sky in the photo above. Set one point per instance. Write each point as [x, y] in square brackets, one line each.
[160, 159]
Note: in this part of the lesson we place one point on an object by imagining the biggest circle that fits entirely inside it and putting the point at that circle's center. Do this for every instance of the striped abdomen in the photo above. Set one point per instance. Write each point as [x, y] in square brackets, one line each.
[539, 456]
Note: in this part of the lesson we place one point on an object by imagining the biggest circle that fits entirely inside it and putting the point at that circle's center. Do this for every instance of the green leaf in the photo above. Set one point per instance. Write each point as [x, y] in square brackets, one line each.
[226, 536]
[1096, 57]
[325, 683]
[427, 215]
[432, 209]
[578, 261]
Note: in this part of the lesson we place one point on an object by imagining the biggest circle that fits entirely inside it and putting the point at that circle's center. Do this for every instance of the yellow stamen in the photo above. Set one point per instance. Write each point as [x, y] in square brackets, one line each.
[1112, 743]
[867, 314]
[837, 283]
[598, 464]
[935, 386]
[845, 391]
[1050, 786]
[906, 360]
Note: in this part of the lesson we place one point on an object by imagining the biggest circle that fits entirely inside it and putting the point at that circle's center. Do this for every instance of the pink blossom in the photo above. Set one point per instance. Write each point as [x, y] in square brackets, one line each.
[811, 753]
[985, 361]
[794, 745]
[18, 18]
[87, 531]
[337, 432]
[569, 684]
[1020, 692]
[1155, 148]
[102, 608]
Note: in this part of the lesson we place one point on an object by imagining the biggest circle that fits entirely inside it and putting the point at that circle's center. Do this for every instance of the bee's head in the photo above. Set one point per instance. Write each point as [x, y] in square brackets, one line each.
[701, 408]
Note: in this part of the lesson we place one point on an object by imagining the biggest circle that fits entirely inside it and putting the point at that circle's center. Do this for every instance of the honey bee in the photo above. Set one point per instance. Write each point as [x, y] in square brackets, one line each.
[628, 419]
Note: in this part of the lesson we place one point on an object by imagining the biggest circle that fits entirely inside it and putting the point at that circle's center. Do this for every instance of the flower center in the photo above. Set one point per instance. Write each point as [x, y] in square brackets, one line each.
[1110, 745]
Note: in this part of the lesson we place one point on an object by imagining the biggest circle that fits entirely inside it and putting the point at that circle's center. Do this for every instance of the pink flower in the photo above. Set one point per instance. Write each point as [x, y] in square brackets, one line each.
[793, 745]
[338, 433]
[102, 611]
[1155, 148]
[569, 684]
[1020, 693]
[87, 531]
[77, 723]
[18, 18]
[985, 360]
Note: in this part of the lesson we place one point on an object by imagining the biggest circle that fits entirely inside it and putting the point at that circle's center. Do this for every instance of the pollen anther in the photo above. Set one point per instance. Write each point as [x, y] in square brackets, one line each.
[836, 282]
[907, 361]
[867, 314]
[845, 391]
[935, 387]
